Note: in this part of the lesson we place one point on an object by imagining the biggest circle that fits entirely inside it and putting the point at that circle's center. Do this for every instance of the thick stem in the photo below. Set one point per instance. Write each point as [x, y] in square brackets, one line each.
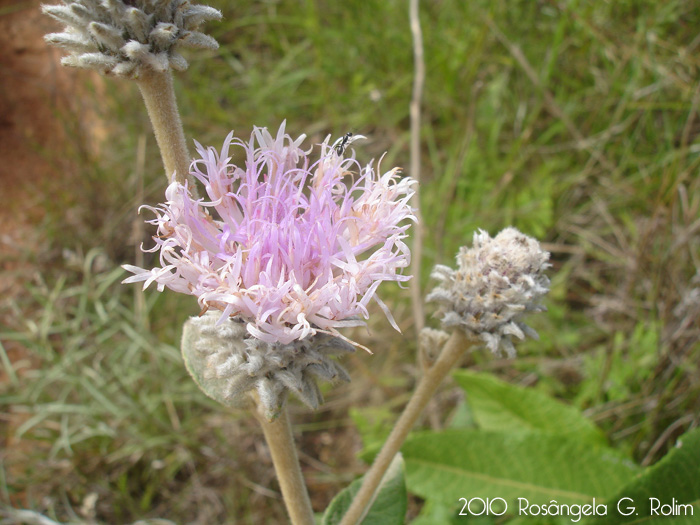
[159, 95]
[278, 434]
[452, 351]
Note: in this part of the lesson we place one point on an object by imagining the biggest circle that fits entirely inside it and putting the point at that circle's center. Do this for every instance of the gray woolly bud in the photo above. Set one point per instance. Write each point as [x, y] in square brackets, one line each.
[97, 61]
[178, 62]
[165, 9]
[163, 35]
[198, 14]
[132, 35]
[198, 40]
[124, 69]
[159, 62]
[227, 362]
[116, 8]
[108, 36]
[496, 283]
[135, 51]
[138, 24]
[70, 41]
[81, 13]
[63, 14]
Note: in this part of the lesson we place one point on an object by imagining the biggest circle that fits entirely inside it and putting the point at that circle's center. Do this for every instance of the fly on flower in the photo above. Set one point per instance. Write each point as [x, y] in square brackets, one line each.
[289, 246]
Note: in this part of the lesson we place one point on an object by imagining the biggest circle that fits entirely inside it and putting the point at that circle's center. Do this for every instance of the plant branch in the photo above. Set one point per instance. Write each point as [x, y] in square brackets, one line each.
[159, 95]
[417, 248]
[278, 434]
[454, 348]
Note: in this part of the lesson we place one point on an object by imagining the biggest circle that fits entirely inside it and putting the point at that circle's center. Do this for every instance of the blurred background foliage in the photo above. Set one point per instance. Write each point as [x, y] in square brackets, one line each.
[574, 121]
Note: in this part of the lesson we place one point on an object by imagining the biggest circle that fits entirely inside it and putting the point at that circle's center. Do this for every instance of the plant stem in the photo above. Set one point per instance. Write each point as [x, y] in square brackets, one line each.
[278, 434]
[417, 248]
[454, 348]
[159, 95]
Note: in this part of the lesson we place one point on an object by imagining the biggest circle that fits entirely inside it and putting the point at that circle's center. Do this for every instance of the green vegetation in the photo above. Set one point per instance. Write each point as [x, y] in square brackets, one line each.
[573, 121]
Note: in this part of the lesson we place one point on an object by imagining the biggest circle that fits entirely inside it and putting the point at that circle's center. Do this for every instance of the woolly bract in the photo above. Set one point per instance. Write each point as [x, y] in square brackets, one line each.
[122, 37]
[497, 281]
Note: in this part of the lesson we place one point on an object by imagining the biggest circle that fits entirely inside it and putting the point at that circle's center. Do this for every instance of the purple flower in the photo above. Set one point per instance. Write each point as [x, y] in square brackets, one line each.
[290, 247]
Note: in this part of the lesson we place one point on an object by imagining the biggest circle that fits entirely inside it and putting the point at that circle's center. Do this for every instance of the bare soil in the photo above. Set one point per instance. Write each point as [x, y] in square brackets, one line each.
[35, 90]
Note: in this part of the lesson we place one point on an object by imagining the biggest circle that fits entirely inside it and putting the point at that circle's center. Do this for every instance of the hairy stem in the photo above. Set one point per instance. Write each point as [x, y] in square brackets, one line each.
[418, 80]
[454, 348]
[278, 434]
[159, 95]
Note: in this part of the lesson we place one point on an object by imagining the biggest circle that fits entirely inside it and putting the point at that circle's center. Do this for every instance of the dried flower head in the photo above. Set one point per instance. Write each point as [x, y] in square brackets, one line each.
[291, 248]
[121, 37]
[232, 363]
[496, 283]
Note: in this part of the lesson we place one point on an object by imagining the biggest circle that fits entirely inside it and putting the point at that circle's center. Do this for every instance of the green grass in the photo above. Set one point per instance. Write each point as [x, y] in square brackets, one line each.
[108, 401]
[574, 121]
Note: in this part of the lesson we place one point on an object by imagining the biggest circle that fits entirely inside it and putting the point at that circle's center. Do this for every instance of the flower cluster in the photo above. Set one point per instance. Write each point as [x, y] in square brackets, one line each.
[240, 363]
[289, 246]
[120, 37]
[496, 283]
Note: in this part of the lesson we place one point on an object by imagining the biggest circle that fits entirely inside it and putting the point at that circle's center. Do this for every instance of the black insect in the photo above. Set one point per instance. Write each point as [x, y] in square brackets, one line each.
[341, 144]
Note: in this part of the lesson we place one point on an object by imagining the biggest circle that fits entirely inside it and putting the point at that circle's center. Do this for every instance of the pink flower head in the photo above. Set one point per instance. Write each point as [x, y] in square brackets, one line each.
[288, 246]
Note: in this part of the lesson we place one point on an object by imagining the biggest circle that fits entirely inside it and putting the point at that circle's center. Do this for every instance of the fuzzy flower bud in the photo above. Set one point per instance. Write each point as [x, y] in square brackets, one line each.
[496, 283]
[121, 37]
[228, 362]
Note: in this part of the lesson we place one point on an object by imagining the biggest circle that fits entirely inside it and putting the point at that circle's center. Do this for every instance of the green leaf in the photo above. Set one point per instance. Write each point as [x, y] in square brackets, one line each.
[389, 506]
[215, 388]
[675, 481]
[434, 513]
[462, 417]
[460, 463]
[497, 405]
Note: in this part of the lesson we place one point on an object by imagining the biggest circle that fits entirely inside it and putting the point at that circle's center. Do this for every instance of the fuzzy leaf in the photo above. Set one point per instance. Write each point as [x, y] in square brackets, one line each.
[216, 388]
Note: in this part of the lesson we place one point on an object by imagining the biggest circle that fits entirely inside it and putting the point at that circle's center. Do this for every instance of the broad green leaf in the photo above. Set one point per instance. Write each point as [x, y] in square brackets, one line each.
[438, 514]
[460, 463]
[215, 388]
[462, 417]
[673, 481]
[497, 405]
[389, 507]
